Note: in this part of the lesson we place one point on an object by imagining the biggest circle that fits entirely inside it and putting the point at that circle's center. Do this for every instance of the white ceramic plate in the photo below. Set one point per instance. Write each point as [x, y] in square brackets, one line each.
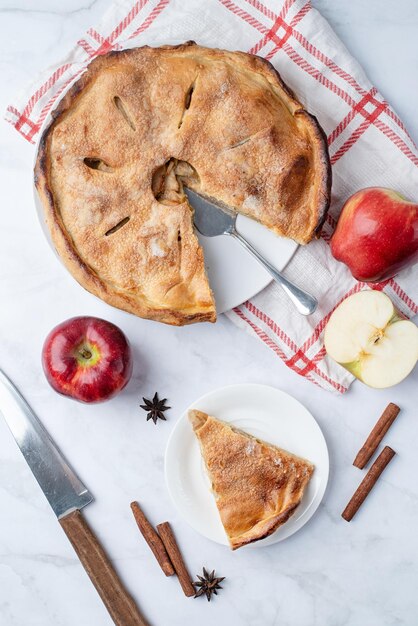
[264, 412]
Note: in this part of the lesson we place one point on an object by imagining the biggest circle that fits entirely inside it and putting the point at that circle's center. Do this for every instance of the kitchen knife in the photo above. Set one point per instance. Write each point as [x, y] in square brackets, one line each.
[67, 495]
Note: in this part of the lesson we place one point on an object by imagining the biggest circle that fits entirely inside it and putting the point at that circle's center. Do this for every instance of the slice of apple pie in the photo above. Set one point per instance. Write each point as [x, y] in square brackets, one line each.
[139, 125]
[257, 486]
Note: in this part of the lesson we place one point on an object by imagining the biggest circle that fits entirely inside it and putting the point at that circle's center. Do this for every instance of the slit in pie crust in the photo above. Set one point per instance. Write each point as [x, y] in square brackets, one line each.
[257, 486]
[139, 125]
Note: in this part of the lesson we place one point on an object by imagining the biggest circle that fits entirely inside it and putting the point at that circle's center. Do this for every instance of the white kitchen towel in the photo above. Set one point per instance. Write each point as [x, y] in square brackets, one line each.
[369, 145]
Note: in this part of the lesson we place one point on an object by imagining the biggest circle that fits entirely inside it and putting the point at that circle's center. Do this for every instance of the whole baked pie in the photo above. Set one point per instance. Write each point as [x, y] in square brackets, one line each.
[257, 486]
[141, 124]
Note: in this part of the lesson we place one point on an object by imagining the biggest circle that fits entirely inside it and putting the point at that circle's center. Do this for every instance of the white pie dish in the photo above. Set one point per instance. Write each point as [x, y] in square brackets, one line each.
[234, 275]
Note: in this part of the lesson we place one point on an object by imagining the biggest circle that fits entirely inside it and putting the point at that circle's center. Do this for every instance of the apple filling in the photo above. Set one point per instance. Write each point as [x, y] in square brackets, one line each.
[168, 180]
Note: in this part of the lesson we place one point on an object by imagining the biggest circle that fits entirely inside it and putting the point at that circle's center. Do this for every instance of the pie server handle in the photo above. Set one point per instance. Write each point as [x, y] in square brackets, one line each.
[304, 302]
[95, 561]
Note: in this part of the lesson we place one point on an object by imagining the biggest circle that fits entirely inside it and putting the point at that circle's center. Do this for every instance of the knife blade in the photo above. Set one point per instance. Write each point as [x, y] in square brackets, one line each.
[67, 495]
[62, 487]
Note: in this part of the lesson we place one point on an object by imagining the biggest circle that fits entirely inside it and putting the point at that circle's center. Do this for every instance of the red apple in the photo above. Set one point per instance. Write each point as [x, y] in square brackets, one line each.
[377, 234]
[87, 359]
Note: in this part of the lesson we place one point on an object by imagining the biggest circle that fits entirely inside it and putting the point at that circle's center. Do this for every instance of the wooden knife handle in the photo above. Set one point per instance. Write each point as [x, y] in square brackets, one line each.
[116, 599]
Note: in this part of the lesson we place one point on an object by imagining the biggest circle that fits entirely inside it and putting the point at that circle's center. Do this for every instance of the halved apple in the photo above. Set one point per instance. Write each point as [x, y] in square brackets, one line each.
[366, 335]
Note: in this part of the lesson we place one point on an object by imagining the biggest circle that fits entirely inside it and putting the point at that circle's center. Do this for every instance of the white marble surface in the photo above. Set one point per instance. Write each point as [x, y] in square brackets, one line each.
[329, 574]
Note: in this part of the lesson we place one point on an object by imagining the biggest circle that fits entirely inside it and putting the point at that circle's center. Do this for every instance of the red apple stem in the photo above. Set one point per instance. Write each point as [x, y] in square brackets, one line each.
[86, 354]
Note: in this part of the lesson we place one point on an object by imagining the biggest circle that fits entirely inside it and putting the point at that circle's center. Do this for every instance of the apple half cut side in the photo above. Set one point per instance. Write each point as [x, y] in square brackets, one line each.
[366, 335]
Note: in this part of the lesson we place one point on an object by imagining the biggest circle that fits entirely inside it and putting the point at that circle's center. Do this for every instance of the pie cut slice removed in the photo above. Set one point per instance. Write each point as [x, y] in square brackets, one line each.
[257, 486]
[137, 127]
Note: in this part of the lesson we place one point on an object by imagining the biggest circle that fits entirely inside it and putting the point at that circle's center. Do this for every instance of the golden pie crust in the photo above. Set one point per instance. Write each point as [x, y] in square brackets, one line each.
[257, 486]
[136, 127]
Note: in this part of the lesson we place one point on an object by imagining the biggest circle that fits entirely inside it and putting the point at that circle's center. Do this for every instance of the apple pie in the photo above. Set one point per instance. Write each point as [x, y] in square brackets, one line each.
[257, 486]
[141, 124]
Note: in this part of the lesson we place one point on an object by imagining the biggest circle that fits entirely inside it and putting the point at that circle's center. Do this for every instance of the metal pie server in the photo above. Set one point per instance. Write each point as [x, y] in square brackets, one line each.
[212, 220]
[67, 496]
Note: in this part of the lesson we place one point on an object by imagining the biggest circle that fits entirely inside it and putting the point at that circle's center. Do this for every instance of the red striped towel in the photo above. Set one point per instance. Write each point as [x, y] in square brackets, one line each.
[369, 145]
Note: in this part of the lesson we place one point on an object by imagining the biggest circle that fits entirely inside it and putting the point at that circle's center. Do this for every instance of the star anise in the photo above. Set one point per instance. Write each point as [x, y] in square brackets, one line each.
[155, 408]
[208, 583]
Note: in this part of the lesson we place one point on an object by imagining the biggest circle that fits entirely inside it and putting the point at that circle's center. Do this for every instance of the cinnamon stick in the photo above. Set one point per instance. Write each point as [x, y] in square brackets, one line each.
[174, 553]
[153, 539]
[382, 426]
[368, 483]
